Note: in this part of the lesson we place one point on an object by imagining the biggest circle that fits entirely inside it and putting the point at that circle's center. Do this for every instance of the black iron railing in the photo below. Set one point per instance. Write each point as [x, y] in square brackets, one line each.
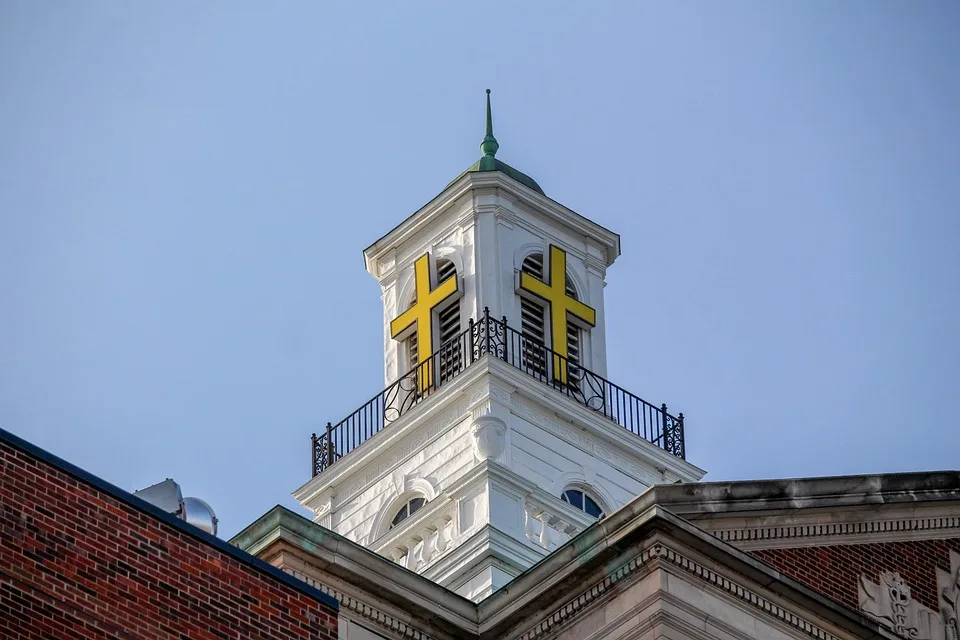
[495, 338]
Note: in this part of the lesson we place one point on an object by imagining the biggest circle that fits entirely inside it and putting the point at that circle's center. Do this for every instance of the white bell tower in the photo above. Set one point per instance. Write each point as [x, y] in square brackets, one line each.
[498, 436]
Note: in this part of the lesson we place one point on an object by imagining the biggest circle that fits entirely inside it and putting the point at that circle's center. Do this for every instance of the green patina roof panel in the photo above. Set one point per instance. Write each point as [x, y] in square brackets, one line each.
[502, 167]
[488, 162]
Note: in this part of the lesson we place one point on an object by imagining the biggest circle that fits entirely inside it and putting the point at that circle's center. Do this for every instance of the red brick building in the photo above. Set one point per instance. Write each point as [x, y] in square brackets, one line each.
[835, 570]
[80, 558]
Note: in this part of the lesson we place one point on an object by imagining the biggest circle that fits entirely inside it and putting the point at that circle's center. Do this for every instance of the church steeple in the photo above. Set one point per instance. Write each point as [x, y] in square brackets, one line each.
[497, 436]
[489, 146]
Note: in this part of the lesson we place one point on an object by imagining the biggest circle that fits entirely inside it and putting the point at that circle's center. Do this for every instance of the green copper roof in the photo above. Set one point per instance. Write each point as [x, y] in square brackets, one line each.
[488, 162]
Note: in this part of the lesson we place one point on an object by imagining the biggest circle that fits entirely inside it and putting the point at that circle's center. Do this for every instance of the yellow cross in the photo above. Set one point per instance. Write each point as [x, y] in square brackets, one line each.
[421, 314]
[554, 291]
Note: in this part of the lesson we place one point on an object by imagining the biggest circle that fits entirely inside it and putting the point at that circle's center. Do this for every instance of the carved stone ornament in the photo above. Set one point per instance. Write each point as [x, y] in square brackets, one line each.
[948, 592]
[489, 437]
[889, 602]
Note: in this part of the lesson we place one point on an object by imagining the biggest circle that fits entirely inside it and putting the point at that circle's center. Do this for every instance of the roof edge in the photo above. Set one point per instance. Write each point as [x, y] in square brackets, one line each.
[705, 498]
[345, 556]
[624, 529]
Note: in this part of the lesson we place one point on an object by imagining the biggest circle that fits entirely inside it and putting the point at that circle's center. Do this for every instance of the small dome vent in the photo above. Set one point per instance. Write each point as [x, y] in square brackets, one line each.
[166, 495]
[200, 514]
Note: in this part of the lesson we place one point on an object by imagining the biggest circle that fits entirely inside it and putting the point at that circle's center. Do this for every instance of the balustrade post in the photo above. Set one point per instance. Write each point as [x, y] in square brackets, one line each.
[473, 356]
[486, 327]
[313, 454]
[506, 340]
[683, 445]
[329, 445]
[667, 437]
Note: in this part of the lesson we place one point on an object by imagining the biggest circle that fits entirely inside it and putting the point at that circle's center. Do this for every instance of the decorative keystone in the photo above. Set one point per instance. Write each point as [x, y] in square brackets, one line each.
[489, 437]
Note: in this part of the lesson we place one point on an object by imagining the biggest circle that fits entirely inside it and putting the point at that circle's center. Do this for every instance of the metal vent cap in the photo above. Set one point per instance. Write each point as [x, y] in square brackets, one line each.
[200, 514]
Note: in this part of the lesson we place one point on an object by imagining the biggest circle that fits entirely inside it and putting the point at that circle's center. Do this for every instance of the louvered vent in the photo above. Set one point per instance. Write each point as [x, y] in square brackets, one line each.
[412, 351]
[533, 323]
[451, 351]
[573, 340]
[449, 317]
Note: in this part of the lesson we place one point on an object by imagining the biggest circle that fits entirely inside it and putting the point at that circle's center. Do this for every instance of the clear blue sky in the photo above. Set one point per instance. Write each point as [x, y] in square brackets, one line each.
[185, 191]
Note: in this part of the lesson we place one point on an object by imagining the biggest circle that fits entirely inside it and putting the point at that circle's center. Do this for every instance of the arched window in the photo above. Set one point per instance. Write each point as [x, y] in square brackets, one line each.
[533, 323]
[582, 501]
[449, 325]
[408, 509]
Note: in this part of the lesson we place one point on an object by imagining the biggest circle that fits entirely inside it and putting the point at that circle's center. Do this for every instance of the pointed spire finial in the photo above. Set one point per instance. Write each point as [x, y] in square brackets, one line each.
[489, 145]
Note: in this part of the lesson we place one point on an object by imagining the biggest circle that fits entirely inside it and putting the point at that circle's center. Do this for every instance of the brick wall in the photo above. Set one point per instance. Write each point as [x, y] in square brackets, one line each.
[76, 561]
[835, 570]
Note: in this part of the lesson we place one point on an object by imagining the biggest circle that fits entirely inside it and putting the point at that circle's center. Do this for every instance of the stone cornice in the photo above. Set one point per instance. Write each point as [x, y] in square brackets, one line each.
[765, 514]
[642, 536]
[833, 492]
[793, 534]
[663, 551]
[643, 519]
[390, 623]
[660, 555]
[364, 569]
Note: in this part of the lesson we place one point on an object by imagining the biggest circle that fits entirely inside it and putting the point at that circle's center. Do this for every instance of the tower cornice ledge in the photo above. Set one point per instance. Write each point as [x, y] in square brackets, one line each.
[499, 182]
[573, 413]
[383, 443]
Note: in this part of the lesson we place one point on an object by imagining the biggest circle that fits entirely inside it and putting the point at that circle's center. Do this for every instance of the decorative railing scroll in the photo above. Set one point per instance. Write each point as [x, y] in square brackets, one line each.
[493, 337]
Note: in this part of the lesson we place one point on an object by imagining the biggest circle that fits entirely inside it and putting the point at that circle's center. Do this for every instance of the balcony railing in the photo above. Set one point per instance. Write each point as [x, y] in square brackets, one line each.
[492, 337]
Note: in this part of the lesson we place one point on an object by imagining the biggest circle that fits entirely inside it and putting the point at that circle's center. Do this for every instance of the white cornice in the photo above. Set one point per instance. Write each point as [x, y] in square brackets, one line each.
[424, 413]
[610, 432]
[487, 545]
[570, 218]
[499, 181]
[463, 389]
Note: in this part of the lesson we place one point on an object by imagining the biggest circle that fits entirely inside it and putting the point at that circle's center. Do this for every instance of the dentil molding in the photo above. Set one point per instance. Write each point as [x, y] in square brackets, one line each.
[833, 533]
